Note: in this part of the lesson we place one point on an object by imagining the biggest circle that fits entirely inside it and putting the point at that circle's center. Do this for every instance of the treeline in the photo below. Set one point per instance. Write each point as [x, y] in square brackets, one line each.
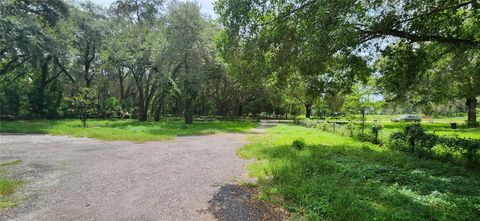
[337, 54]
[142, 59]
[146, 59]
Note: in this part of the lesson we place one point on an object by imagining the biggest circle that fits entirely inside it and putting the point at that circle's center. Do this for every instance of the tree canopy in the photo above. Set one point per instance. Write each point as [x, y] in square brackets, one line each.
[153, 58]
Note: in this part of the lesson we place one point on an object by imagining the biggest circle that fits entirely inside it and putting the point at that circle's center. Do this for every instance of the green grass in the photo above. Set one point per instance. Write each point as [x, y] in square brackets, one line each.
[8, 186]
[10, 163]
[337, 178]
[438, 125]
[437, 128]
[130, 130]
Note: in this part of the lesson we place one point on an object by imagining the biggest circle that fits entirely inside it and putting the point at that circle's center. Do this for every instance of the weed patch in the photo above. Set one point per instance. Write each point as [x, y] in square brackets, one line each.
[8, 186]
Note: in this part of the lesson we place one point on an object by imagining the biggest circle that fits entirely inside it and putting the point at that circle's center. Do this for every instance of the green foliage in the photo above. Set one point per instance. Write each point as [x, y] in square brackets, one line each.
[417, 141]
[299, 144]
[130, 130]
[312, 46]
[83, 106]
[338, 178]
[10, 163]
[8, 186]
[375, 129]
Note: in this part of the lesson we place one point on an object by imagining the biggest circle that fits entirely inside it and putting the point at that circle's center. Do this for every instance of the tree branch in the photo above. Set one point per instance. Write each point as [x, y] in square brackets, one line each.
[436, 10]
[422, 38]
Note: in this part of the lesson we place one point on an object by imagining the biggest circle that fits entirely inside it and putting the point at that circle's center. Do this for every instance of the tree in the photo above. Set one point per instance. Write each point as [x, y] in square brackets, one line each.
[361, 101]
[89, 31]
[137, 47]
[28, 47]
[25, 28]
[431, 74]
[304, 44]
[184, 28]
[83, 105]
[315, 30]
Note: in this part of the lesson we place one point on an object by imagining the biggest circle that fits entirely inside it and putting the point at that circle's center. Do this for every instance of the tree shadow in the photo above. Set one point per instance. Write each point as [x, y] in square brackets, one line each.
[235, 202]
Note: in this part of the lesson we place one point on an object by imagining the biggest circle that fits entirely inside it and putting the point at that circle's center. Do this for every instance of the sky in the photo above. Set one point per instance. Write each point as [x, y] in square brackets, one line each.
[207, 5]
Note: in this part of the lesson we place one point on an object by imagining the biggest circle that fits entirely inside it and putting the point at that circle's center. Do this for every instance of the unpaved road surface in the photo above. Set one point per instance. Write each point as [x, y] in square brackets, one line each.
[189, 178]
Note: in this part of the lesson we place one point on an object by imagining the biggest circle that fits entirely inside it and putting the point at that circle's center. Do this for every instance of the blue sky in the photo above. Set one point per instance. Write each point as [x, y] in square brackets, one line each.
[207, 5]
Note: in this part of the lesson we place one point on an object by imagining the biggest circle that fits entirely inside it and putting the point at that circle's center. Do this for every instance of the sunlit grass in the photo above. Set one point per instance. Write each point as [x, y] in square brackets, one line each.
[130, 130]
[443, 129]
[10, 163]
[338, 178]
[8, 186]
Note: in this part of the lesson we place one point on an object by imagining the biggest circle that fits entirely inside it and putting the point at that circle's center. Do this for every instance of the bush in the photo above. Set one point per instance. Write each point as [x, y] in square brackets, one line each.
[298, 144]
[365, 137]
[375, 131]
[417, 141]
[397, 141]
[82, 105]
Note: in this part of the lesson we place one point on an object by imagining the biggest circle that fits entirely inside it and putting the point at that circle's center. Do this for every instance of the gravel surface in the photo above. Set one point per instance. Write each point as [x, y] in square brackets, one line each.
[86, 179]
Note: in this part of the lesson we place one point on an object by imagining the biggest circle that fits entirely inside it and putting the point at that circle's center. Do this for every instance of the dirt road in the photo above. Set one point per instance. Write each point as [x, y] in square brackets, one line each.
[86, 179]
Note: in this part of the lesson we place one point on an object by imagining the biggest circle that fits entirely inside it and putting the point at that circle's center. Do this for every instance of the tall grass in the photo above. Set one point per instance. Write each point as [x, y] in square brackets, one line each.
[337, 178]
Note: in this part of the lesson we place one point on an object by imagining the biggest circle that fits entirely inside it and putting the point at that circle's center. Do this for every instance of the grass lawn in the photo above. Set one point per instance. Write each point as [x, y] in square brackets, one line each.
[439, 126]
[337, 178]
[8, 186]
[130, 130]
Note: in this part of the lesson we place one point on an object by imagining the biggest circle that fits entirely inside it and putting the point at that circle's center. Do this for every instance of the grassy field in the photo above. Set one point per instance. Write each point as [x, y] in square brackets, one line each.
[8, 186]
[337, 178]
[439, 126]
[130, 130]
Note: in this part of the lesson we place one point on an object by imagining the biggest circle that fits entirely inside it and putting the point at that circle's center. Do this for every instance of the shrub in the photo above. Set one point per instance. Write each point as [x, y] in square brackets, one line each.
[375, 131]
[413, 133]
[397, 141]
[82, 105]
[366, 137]
[298, 144]
[417, 141]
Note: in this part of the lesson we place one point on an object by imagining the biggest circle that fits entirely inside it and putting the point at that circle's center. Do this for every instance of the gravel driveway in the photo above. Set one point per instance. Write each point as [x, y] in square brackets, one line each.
[87, 179]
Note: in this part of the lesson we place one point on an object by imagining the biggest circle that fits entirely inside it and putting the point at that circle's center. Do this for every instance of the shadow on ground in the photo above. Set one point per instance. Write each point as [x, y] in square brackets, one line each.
[235, 202]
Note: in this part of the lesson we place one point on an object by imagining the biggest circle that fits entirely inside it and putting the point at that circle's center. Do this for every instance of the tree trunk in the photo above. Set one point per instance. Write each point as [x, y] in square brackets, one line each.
[122, 88]
[240, 110]
[472, 113]
[157, 115]
[142, 110]
[188, 112]
[38, 98]
[308, 110]
[158, 111]
[88, 81]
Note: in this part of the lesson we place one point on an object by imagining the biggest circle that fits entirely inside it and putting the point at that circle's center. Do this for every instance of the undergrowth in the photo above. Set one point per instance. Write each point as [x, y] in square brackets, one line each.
[337, 178]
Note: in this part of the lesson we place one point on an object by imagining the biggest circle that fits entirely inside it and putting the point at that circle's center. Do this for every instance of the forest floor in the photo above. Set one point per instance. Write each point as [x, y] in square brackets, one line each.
[188, 178]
